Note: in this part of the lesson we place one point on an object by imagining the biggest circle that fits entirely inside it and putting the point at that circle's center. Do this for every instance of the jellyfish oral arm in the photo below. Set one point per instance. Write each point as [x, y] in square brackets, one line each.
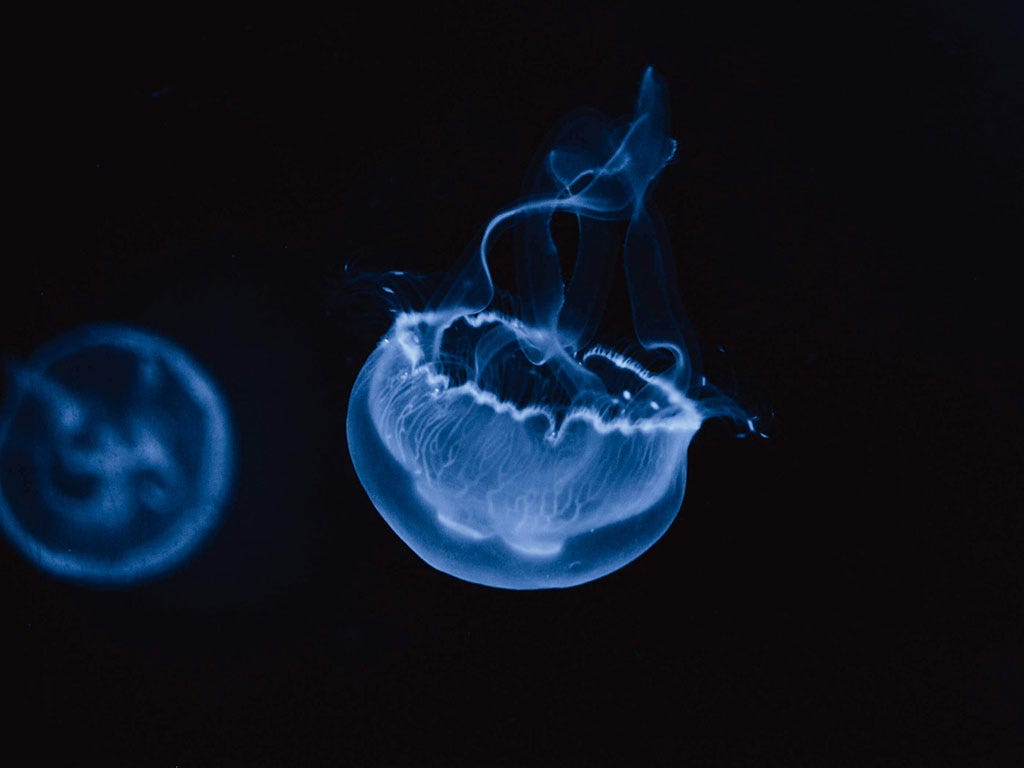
[67, 411]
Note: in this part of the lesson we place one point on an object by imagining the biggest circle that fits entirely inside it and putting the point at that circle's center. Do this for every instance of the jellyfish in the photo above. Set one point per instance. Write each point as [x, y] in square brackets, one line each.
[115, 456]
[495, 436]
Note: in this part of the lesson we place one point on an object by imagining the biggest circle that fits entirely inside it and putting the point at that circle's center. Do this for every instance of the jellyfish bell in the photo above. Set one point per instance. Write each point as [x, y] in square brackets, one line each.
[507, 448]
[115, 456]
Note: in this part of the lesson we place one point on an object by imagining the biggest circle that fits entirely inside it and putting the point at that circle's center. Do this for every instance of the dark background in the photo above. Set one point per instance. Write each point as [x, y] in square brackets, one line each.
[845, 215]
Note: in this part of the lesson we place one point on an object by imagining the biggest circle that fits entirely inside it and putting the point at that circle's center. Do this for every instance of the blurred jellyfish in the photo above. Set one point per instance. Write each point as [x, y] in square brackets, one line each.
[115, 456]
[506, 447]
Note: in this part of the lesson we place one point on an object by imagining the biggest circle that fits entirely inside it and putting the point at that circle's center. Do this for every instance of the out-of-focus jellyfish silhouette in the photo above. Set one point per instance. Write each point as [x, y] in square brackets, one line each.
[115, 456]
[507, 448]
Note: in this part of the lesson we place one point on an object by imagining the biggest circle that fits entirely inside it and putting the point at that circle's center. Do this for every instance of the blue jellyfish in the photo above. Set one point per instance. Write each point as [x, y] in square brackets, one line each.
[115, 456]
[505, 446]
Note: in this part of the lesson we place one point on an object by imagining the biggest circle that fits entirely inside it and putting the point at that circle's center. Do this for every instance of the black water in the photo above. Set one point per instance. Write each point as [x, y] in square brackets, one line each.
[845, 215]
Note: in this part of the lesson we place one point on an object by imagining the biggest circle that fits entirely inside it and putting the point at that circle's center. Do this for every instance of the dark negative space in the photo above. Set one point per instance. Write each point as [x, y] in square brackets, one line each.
[845, 220]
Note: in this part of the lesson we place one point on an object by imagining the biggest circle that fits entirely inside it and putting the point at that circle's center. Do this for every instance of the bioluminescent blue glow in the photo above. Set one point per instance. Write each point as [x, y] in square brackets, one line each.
[115, 456]
[507, 448]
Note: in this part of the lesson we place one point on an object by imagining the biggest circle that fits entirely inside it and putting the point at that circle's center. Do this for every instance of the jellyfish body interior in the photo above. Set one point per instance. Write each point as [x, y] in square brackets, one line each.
[507, 448]
[115, 456]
